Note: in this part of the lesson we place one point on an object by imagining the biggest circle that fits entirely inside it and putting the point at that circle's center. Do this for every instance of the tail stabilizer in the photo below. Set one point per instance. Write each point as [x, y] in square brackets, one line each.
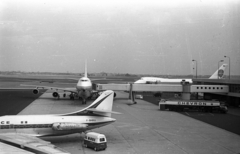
[85, 71]
[219, 74]
[102, 106]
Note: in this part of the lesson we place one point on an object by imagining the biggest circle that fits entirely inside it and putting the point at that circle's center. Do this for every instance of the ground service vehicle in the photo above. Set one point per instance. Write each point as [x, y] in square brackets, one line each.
[95, 140]
[197, 105]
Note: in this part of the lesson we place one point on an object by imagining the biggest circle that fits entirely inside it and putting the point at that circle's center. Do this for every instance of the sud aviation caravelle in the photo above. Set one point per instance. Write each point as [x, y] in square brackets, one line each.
[24, 129]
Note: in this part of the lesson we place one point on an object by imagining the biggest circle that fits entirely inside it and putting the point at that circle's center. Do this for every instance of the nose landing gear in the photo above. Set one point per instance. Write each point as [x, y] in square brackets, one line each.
[84, 101]
[71, 96]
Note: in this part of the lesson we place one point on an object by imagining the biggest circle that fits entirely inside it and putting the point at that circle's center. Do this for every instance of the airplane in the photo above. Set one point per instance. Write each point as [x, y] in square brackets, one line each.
[219, 74]
[83, 89]
[23, 130]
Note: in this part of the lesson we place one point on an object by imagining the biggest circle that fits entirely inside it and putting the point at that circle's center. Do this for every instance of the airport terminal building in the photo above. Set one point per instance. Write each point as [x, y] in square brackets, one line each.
[232, 98]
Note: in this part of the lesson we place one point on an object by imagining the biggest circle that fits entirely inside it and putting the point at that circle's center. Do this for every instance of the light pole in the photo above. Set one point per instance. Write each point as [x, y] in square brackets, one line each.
[196, 67]
[229, 66]
[218, 67]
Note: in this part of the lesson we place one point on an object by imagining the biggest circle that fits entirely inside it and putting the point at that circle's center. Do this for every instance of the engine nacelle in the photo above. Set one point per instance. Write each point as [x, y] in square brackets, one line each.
[68, 126]
[55, 94]
[114, 95]
[35, 91]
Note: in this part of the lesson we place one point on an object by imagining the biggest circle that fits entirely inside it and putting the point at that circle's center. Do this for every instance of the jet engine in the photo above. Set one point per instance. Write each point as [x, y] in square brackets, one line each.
[68, 126]
[35, 91]
[114, 95]
[55, 94]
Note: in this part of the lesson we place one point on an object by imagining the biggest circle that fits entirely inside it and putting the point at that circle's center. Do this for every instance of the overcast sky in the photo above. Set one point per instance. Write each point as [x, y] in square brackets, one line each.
[143, 37]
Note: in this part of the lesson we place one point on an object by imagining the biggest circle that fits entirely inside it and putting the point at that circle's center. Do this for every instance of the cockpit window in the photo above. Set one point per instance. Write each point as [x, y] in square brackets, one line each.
[84, 80]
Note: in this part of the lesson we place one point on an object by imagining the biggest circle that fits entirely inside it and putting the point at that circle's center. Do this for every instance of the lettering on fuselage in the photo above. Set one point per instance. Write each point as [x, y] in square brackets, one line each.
[193, 103]
[5, 122]
[90, 119]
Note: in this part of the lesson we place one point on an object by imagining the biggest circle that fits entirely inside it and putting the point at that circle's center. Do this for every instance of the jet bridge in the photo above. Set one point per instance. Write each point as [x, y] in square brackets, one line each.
[140, 87]
[163, 88]
[185, 88]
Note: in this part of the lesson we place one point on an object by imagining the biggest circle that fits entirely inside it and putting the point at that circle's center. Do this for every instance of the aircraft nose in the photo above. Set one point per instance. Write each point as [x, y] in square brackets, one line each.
[112, 120]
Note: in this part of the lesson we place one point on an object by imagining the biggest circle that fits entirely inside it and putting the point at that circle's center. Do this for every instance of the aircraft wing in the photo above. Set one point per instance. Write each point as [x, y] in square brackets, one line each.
[72, 90]
[98, 79]
[28, 144]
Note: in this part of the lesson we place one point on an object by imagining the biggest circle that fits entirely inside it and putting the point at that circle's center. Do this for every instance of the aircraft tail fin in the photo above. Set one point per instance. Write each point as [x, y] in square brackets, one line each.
[85, 71]
[219, 74]
[102, 106]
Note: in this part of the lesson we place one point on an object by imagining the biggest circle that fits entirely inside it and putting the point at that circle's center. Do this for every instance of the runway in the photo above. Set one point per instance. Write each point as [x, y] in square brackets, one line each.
[141, 128]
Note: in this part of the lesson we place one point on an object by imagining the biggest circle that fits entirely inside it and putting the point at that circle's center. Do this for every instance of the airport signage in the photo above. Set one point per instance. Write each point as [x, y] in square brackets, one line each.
[192, 103]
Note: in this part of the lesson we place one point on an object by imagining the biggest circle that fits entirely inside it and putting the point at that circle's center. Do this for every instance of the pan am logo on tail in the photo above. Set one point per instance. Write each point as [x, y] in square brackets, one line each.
[220, 73]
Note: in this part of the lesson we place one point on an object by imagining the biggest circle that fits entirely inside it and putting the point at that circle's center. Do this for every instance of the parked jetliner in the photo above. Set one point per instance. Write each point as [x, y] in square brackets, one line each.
[219, 74]
[23, 130]
[82, 90]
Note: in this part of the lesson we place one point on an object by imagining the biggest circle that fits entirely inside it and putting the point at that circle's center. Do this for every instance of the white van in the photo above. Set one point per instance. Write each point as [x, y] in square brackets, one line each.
[95, 140]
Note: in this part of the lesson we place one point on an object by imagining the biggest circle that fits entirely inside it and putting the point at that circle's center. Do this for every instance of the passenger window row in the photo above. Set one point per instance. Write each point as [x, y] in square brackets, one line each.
[25, 126]
[210, 88]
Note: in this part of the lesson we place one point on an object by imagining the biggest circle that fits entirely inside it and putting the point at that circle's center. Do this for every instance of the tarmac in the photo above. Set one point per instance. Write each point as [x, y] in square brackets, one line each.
[141, 129]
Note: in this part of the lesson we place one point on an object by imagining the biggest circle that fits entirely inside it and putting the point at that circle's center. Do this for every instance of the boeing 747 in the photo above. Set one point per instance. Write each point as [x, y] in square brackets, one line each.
[83, 89]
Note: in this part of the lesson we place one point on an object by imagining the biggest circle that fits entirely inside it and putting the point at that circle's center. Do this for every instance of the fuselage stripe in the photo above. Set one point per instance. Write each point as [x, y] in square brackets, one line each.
[26, 126]
[21, 126]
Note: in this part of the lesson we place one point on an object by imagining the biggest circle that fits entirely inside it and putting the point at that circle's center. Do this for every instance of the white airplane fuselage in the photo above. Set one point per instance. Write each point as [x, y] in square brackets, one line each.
[151, 80]
[23, 131]
[50, 125]
[156, 80]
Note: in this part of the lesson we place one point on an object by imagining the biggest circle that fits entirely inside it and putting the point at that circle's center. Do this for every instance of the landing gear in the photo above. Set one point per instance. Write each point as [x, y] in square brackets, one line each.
[71, 96]
[64, 95]
[84, 101]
